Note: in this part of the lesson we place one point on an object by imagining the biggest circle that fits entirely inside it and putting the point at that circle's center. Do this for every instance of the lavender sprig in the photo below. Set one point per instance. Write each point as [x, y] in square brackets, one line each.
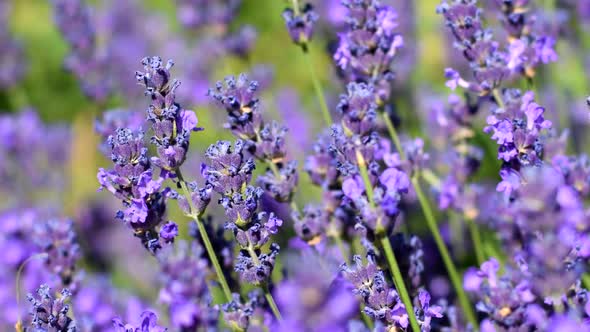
[300, 21]
[50, 313]
[172, 126]
[229, 174]
[264, 141]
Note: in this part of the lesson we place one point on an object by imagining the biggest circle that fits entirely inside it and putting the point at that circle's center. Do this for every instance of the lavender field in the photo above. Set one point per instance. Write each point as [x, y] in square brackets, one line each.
[284, 165]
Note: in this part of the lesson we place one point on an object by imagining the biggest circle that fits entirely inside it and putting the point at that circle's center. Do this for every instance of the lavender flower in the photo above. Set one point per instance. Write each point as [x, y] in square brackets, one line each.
[300, 22]
[369, 45]
[148, 323]
[198, 13]
[229, 174]
[517, 128]
[49, 313]
[171, 124]
[115, 119]
[34, 156]
[382, 303]
[526, 49]
[503, 298]
[314, 299]
[265, 141]
[486, 59]
[57, 239]
[88, 63]
[184, 291]
[12, 55]
[131, 181]
[248, 315]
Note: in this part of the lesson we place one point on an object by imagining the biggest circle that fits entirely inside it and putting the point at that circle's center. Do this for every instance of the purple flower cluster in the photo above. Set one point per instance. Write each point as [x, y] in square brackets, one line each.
[314, 299]
[33, 157]
[300, 21]
[171, 124]
[56, 238]
[131, 180]
[148, 323]
[354, 144]
[518, 128]
[367, 48]
[184, 291]
[198, 13]
[50, 313]
[86, 61]
[265, 141]
[382, 303]
[526, 49]
[249, 315]
[490, 61]
[229, 173]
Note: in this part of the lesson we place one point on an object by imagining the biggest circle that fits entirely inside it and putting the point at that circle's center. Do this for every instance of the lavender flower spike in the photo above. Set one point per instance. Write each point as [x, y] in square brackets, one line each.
[148, 323]
[49, 313]
[131, 181]
[171, 124]
[300, 23]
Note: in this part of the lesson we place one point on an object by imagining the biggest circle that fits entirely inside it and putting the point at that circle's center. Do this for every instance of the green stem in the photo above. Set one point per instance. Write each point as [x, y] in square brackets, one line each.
[476, 239]
[342, 249]
[393, 135]
[450, 266]
[399, 282]
[272, 304]
[586, 280]
[366, 319]
[204, 236]
[365, 175]
[267, 294]
[317, 86]
[498, 98]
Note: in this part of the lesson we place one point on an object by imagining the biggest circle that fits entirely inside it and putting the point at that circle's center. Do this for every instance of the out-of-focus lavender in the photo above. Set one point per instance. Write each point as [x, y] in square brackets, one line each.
[12, 56]
[34, 159]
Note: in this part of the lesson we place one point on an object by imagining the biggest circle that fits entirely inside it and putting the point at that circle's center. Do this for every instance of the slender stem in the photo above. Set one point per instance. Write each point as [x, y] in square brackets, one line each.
[393, 135]
[365, 175]
[272, 303]
[450, 266]
[399, 282]
[476, 239]
[342, 249]
[498, 98]
[319, 91]
[366, 319]
[586, 280]
[267, 294]
[295, 7]
[204, 236]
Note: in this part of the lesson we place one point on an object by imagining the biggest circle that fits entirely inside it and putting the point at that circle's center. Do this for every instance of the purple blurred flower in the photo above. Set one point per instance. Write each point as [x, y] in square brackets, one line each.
[300, 23]
[184, 287]
[367, 48]
[314, 299]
